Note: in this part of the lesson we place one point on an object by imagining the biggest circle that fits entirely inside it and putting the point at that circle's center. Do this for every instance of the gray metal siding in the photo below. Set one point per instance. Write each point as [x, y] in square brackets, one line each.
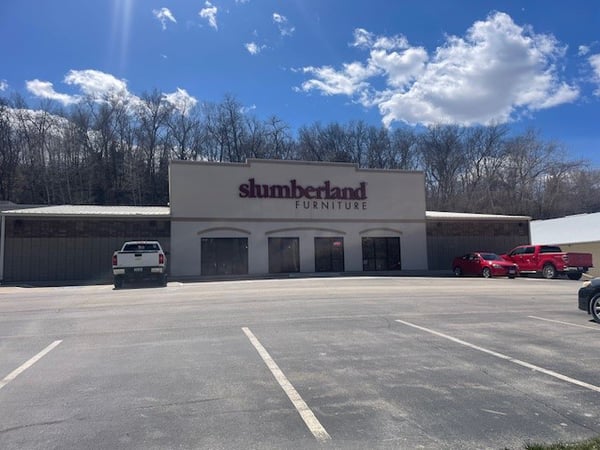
[447, 239]
[62, 259]
[53, 250]
[441, 250]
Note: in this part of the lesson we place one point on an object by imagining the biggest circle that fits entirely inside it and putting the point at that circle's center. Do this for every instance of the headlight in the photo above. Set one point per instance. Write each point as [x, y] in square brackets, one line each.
[587, 283]
[496, 266]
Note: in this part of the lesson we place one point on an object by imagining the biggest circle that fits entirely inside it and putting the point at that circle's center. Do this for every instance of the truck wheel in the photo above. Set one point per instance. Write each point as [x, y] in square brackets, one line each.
[118, 282]
[458, 272]
[487, 273]
[549, 271]
[574, 276]
[595, 308]
[162, 280]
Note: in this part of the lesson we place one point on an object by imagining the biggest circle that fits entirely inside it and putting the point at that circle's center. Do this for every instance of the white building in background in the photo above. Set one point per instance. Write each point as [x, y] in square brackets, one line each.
[578, 233]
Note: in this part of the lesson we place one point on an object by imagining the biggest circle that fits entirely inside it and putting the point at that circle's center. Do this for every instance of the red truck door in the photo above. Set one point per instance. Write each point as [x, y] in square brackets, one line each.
[525, 258]
[529, 259]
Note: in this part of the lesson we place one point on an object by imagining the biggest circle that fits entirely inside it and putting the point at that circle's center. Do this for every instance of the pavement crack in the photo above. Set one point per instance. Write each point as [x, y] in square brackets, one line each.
[30, 425]
[189, 402]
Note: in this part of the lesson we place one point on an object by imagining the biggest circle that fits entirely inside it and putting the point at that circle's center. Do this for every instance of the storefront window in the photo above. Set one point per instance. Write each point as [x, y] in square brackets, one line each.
[329, 254]
[381, 253]
[224, 256]
[284, 255]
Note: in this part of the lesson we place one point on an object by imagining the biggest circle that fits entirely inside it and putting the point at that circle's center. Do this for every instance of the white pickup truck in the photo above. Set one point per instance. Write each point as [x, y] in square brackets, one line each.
[139, 261]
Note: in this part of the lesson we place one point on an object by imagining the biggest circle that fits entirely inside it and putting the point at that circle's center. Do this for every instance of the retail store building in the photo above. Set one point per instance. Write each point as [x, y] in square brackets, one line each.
[258, 218]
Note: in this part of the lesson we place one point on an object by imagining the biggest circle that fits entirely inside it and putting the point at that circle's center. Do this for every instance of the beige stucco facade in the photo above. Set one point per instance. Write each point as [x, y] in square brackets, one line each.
[263, 199]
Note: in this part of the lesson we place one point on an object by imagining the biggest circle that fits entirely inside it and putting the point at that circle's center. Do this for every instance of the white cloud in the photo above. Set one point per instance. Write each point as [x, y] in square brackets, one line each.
[164, 14]
[209, 12]
[498, 71]
[102, 87]
[3, 85]
[181, 100]
[595, 63]
[247, 109]
[365, 39]
[253, 48]
[97, 85]
[583, 50]
[93, 84]
[282, 24]
[45, 90]
[351, 80]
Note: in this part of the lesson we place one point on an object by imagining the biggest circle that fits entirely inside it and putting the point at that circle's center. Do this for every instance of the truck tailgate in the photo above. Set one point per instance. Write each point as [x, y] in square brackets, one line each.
[579, 259]
[137, 259]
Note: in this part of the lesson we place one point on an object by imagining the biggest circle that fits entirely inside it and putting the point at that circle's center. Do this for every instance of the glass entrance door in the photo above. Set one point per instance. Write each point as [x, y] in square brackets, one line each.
[284, 255]
[224, 256]
[329, 254]
[381, 253]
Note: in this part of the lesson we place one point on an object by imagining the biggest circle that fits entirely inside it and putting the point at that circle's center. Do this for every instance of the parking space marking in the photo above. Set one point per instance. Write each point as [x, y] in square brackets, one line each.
[15, 373]
[305, 412]
[491, 411]
[551, 373]
[564, 323]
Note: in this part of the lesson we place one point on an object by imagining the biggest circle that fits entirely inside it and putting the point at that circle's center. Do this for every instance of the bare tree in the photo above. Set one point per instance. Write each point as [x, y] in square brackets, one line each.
[444, 159]
[484, 153]
[9, 153]
[330, 143]
[151, 114]
[527, 162]
[404, 150]
[185, 125]
[279, 142]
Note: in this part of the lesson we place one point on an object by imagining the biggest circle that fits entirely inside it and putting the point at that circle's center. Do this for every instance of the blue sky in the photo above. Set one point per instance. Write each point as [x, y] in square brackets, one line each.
[526, 63]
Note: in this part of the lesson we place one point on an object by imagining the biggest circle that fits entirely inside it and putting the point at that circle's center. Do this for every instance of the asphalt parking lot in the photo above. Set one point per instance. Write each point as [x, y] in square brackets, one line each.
[431, 363]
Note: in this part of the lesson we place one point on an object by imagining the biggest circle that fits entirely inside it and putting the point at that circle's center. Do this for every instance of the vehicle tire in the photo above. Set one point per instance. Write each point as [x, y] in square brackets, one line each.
[549, 271]
[574, 276]
[162, 281]
[486, 272]
[512, 277]
[458, 271]
[118, 282]
[595, 308]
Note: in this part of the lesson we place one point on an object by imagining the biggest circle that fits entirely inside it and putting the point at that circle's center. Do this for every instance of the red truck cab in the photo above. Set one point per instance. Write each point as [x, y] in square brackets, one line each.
[549, 261]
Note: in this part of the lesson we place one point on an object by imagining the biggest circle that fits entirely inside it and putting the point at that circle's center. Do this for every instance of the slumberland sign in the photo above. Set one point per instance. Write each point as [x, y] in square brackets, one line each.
[325, 196]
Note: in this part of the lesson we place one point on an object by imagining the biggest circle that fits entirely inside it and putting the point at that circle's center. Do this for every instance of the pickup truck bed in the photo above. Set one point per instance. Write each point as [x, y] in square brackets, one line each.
[549, 261]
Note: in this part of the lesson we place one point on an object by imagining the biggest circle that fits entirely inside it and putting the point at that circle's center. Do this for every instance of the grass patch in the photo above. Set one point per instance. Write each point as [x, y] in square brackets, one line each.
[591, 444]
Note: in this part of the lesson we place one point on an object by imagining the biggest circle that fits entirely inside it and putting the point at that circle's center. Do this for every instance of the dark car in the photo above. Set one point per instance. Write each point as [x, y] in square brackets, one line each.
[486, 264]
[589, 298]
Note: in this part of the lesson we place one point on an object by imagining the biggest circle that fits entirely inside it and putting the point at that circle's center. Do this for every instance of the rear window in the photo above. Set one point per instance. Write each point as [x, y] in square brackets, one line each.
[141, 247]
[550, 249]
[491, 257]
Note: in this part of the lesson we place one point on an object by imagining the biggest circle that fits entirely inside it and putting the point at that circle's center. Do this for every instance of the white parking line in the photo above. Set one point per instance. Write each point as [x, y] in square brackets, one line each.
[305, 412]
[551, 373]
[15, 373]
[564, 323]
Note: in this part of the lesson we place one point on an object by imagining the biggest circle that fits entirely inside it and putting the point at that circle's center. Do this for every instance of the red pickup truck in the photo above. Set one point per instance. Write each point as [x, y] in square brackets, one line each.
[549, 260]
